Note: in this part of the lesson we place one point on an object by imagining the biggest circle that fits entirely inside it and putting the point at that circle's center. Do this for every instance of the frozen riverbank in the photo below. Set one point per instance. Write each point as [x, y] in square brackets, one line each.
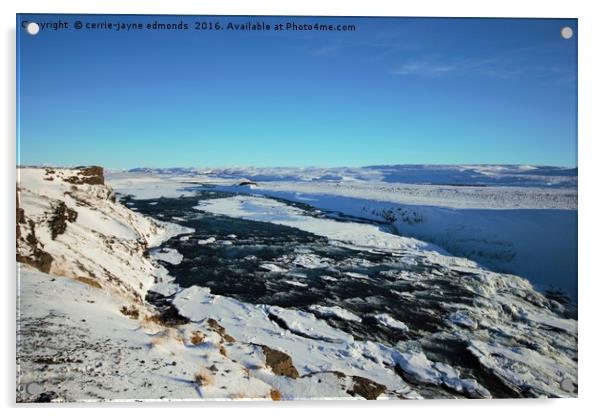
[537, 243]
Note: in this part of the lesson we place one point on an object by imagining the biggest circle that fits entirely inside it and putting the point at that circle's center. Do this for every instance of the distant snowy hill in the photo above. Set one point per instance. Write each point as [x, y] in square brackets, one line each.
[486, 175]
[458, 175]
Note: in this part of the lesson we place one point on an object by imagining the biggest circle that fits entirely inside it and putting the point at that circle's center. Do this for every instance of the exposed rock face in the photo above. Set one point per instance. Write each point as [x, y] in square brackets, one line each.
[352, 385]
[366, 388]
[30, 250]
[220, 330]
[130, 311]
[47, 397]
[60, 217]
[280, 363]
[39, 259]
[20, 216]
[91, 175]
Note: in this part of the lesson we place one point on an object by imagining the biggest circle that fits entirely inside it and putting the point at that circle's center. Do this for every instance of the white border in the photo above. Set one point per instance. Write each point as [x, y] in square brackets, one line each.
[590, 295]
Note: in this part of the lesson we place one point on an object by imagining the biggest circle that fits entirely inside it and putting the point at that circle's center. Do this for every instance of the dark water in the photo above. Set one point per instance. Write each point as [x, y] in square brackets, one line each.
[231, 266]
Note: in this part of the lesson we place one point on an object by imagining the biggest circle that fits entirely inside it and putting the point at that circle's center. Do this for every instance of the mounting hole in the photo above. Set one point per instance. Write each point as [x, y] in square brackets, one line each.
[566, 32]
[567, 385]
[32, 28]
[33, 388]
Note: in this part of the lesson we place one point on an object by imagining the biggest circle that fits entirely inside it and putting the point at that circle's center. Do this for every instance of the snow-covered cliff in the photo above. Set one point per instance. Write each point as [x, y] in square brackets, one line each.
[68, 224]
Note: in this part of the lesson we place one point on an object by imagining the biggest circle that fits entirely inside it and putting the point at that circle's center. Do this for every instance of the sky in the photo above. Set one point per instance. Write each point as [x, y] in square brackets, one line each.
[392, 91]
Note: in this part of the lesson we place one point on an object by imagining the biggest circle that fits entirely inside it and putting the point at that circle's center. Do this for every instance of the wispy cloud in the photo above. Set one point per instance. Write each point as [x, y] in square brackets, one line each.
[367, 47]
[491, 67]
[424, 68]
[508, 65]
[408, 51]
[375, 42]
[327, 49]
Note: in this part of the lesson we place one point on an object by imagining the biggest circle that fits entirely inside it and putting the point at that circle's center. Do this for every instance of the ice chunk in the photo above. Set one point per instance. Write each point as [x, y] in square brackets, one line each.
[334, 312]
[386, 320]
[209, 240]
[462, 319]
[169, 255]
[270, 267]
[295, 283]
[357, 275]
[307, 324]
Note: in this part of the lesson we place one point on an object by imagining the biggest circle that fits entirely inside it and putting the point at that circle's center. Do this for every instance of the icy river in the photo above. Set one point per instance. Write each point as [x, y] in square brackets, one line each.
[369, 285]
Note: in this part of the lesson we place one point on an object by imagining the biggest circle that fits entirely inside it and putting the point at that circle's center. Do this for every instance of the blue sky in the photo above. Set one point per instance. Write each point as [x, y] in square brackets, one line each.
[394, 91]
